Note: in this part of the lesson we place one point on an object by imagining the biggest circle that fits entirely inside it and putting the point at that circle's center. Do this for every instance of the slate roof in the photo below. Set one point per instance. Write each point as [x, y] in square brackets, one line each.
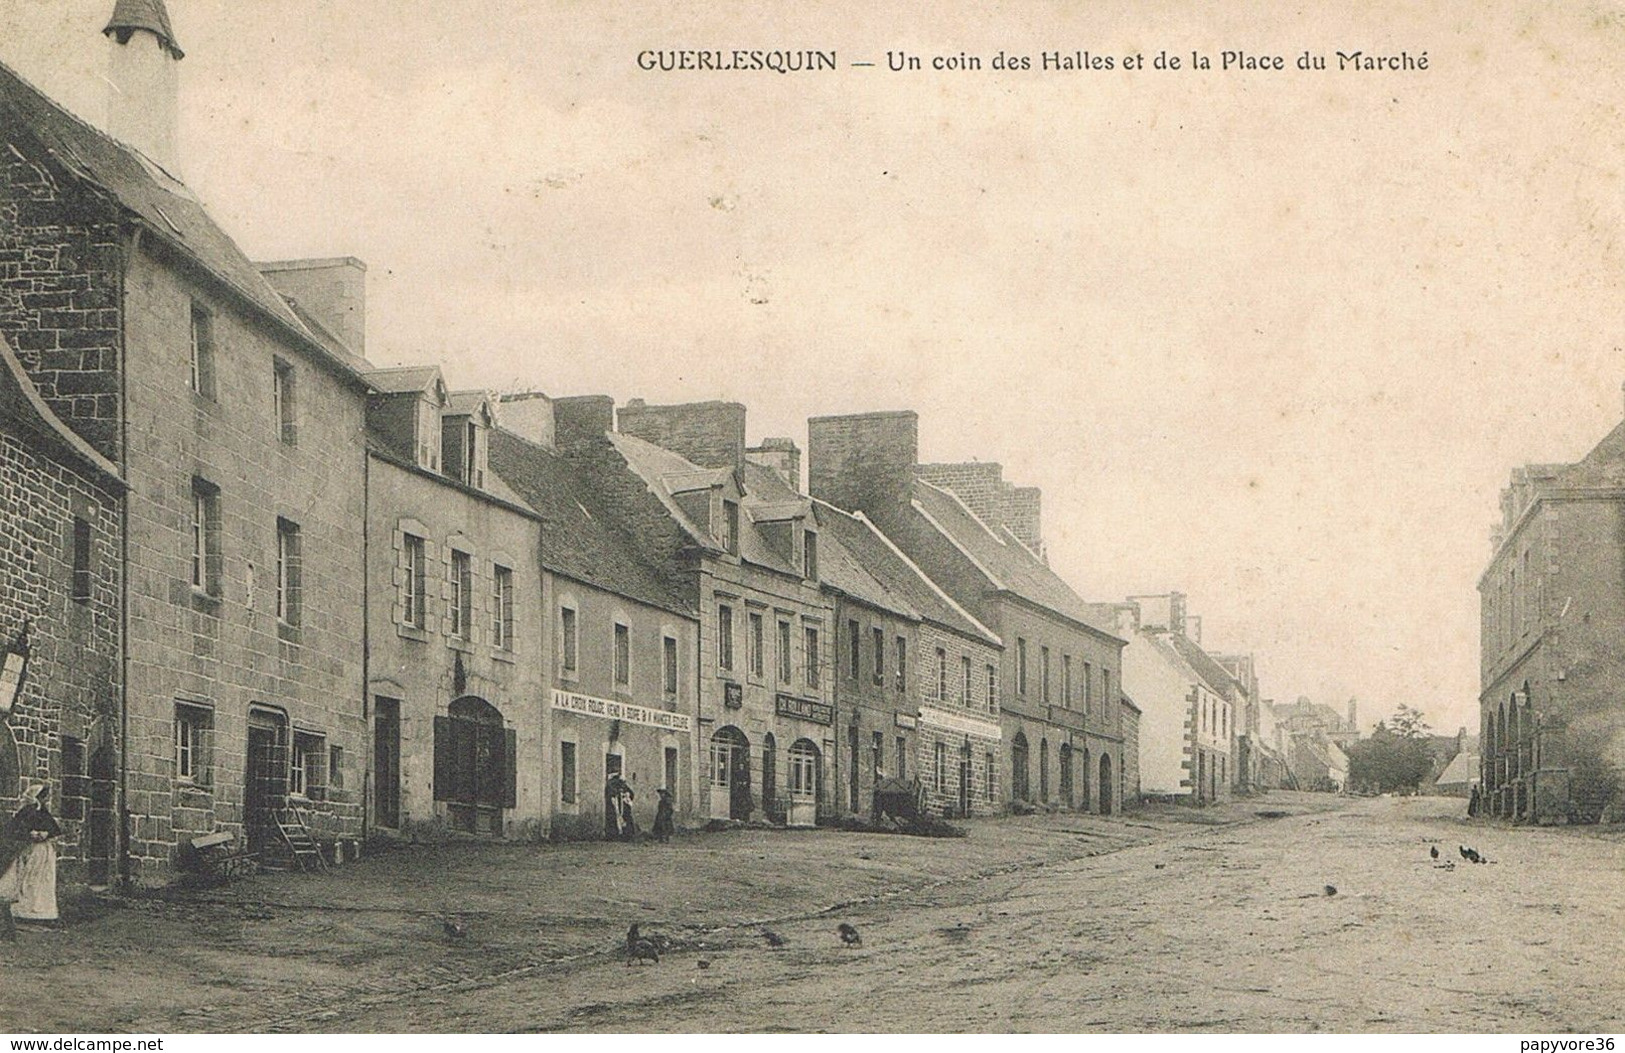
[1604, 465]
[22, 408]
[842, 567]
[1461, 771]
[1007, 564]
[1218, 681]
[397, 380]
[464, 403]
[864, 543]
[579, 538]
[168, 210]
[668, 474]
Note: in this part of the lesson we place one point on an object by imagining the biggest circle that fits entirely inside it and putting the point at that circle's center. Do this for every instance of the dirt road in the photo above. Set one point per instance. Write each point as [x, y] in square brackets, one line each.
[1169, 920]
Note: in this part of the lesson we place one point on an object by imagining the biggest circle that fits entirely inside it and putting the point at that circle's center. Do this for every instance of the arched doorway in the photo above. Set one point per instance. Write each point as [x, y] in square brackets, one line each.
[1043, 771]
[1018, 767]
[1105, 784]
[1066, 774]
[1084, 767]
[806, 773]
[474, 762]
[730, 774]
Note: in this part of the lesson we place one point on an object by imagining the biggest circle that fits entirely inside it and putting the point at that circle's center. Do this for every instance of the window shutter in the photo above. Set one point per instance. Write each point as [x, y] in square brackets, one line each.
[510, 766]
[443, 760]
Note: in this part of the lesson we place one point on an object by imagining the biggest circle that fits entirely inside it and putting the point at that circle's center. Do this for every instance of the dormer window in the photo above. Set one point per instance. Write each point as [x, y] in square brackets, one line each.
[809, 556]
[730, 526]
[428, 435]
[464, 442]
[473, 473]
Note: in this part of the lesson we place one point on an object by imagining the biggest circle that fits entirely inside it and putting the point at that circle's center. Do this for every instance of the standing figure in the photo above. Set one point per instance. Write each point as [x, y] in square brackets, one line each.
[620, 801]
[664, 825]
[28, 856]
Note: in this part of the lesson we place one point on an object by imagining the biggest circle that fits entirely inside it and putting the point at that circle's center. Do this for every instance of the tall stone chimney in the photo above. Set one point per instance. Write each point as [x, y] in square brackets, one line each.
[863, 462]
[530, 414]
[143, 107]
[1354, 722]
[710, 434]
[332, 291]
[582, 419]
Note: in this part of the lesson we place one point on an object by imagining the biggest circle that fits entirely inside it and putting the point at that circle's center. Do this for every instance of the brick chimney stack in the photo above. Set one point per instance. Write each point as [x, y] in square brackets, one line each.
[143, 108]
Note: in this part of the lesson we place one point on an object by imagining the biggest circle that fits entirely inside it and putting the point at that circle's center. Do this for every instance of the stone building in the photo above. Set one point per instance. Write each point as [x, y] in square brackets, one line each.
[619, 682]
[235, 419]
[61, 584]
[1133, 791]
[457, 640]
[1551, 720]
[1058, 681]
[1187, 702]
[917, 675]
[749, 563]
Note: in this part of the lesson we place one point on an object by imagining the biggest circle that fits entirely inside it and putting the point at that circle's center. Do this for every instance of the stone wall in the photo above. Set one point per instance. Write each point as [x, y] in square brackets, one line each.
[225, 651]
[71, 688]
[60, 260]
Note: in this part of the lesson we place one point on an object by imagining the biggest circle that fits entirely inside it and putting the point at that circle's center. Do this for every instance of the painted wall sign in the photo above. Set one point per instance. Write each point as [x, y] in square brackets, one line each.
[959, 722]
[804, 709]
[609, 709]
[906, 720]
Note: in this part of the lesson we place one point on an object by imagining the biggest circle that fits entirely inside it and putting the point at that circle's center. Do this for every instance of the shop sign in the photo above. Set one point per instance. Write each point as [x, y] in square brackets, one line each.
[609, 709]
[804, 709]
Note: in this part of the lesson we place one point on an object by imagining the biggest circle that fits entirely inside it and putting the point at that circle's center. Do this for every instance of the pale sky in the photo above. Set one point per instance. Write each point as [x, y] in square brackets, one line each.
[1274, 339]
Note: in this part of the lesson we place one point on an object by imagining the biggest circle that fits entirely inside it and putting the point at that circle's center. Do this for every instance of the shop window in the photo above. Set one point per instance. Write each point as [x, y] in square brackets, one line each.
[803, 769]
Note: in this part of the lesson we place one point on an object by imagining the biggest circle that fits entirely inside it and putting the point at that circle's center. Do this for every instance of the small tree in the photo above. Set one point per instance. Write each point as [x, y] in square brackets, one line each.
[1396, 756]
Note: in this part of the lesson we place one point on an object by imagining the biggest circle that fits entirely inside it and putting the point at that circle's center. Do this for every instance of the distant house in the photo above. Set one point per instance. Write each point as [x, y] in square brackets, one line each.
[1188, 703]
[1459, 777]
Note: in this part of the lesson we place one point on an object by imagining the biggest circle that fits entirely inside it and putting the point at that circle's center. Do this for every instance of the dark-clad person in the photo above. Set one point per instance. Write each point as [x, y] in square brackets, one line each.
[28, 856]
[620, 797]
[663, 817]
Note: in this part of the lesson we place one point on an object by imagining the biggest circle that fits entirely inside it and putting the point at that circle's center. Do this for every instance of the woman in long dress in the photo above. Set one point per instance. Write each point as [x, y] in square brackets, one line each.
[28, 884]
